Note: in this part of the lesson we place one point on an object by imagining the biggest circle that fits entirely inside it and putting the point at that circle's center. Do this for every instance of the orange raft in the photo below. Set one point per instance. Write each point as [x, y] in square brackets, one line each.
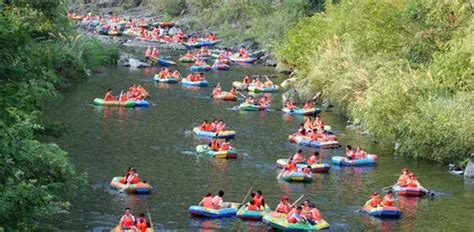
[225, 96]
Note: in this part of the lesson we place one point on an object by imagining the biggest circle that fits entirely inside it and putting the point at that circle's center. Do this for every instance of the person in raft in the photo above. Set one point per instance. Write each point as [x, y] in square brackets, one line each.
[259, 200]
[225, 146]
[218, 200]
[206, 201]
[216, 91]
[214, 145]
[350, 154]
[290, 105]
[127, 221]
[298, 156]
[132, 177]
[141, 224]
[374, 201]
[205, 126]
[314, 158]
[291, 166]
[253, 206]
[263, 102]
[147, 53]
[283, 206]
[360, 154]
[308, 105]
[307, 170]
[297, 216]
[388, 199]
[413, 182]
[250, 100]
[403, 179]
[108, 95]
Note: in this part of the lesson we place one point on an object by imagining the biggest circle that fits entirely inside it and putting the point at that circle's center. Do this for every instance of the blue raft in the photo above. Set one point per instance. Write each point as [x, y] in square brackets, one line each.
[199, 211]
[343, 161]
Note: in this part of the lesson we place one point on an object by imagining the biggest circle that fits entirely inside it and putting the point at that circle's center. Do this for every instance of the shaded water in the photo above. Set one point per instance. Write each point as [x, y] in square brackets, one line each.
[158, 141]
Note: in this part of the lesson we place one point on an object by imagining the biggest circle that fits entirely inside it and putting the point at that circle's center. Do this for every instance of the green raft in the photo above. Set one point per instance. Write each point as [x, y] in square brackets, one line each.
[101, 102]
[204, 149]
[247, 215]
[249, 107]
[279, 221]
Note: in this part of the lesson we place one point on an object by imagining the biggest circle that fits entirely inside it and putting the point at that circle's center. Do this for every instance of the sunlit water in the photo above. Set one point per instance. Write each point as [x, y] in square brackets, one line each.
[158, 141]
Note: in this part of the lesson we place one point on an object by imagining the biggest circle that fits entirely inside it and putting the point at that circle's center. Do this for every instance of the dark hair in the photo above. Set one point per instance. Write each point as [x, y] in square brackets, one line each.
[252, 195]
[221, 193]
[142, 215]
[127, 209]
[259, 192]
[349, 147]
[316, 153]
[109, 90]
[299, 208]
[207, 194]
[300, 150]
[389, 192]
[312, 205]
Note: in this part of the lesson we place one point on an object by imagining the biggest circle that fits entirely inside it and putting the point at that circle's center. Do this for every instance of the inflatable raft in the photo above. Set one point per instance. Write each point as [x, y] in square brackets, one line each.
[409, 191]
[114, 33]
[220, 67]
[169, 80]
[199, 211]
[227, 134]
[201, 44]
[382, 212]
[249, 107]
[305, 141]
[202, 83]
[279, 221]
[101, 102]
[301, 111]
[139, 188]
[200, 68]
[239, 85]
[297, 177]
[264, 89]
[247, 215]
[343, 161]
[186, 59]
[315, 168]
[242, 60]
[163, 62]
[204, 149]
[225, 96]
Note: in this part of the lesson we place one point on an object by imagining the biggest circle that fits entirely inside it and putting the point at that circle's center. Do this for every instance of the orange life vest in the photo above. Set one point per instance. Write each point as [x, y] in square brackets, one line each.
[207, 202]
[283, 208]
[252, 208]
[141, 225]
[127, 221]
[387, 201]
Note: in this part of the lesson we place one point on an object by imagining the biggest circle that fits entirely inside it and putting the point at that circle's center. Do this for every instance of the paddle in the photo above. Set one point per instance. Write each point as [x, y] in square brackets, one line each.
[217, 86]
[387, 188]
[246, 195]
[241, 94]
[297, 200]
[149, 218]
[283, 169]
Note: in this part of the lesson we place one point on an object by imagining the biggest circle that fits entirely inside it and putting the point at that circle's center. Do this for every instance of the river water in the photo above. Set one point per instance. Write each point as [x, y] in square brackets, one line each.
[103, 142]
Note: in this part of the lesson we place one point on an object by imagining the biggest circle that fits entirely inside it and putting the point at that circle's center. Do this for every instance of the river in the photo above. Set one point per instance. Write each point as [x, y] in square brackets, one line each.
[103, 142]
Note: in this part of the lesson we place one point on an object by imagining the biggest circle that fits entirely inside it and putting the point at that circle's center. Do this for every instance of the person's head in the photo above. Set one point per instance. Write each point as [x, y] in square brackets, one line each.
[306, 203]
[221, 193]
[252, 194]
[300, 151]
[133, 170]
[127, 211]
[130, 168]
[250, 97]
[348, 147]
[375, 194]
[308, 167]
[358, 148]
[109, 90]
[142, 215]
[316, 153]
[205, 121]
[299, 209]
[412, 176]
[312, 206]
[284, 198]
[220, 121]
[389, 192]
[290, 160]
[301, 124]
[405, 171]
[259, 192]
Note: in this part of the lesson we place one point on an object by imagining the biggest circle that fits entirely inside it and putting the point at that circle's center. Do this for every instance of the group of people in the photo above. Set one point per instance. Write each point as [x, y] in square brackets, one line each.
[129, 222]
[196, 38]
[215, 145]
[263, 102]
[306, 212]
[216, 91]
[213, 202]
[217, 125]
[374, 201]
[256, 82]
[165, 73]
[151, 53]
[298, 158]
[408, 179]
[307, 105]
[352, 154]
[314, 130]
[134, 93]
[257, 202]
[194, 77]
[243, 53]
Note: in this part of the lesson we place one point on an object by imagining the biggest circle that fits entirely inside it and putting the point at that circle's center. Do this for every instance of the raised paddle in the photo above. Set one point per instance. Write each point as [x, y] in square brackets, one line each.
[297, 200]
[387, 188]
[149, 218]
[246, 195]
[217, 86]
[283, 169]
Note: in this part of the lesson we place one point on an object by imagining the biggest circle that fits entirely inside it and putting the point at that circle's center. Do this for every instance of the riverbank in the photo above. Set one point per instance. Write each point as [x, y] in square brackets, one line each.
[41, 55]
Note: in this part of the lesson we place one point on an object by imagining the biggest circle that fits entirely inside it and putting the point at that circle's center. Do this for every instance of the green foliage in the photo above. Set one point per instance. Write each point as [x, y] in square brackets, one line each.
[402, 68]
[171, 8]
[40, 52]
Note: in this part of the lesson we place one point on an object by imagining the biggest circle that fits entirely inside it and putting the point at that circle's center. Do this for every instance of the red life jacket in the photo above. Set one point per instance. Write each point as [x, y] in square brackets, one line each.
[258, 200]
[252, 208]
[207, 202]
[283, 208]
[141, 225]
[127, 221]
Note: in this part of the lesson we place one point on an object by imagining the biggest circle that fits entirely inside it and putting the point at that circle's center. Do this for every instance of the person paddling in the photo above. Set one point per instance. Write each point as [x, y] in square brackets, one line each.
[253, 206]
[259, 200]
[141, 224]
[108, 95]
[283, 206]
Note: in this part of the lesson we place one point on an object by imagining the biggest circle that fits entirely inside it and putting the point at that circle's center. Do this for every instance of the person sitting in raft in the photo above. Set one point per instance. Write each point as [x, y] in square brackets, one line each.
[403, 179]
[205, 126]
[218, 200]
[246, 80]
[298, 157]
[225, 146]
[250, 100]
[263, 102]
[214, 124]
[199, 62]
[256, 82]
[283, 206]
[242, 51]
[350, 154]
[259, 200]
[360, 154]
[127, 221]
[313, 159]
[175, 74]
[318, 122]
[388, 199]
[291, 166]
[108, 95]
[220, 126]
[123, 180]
[233, 91]
[206, 201]
[164, 73]
[214, 145]
[307, 170]
[374, 200]
[141, 224]
[155, 53]
[147, 53]
[308, 124]
[217, 90]
[290, 105]
[315, 214]
[412, 181]
[252, 206]
[296, 216]
[308, 105]
[268, 83]
[132, 178]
